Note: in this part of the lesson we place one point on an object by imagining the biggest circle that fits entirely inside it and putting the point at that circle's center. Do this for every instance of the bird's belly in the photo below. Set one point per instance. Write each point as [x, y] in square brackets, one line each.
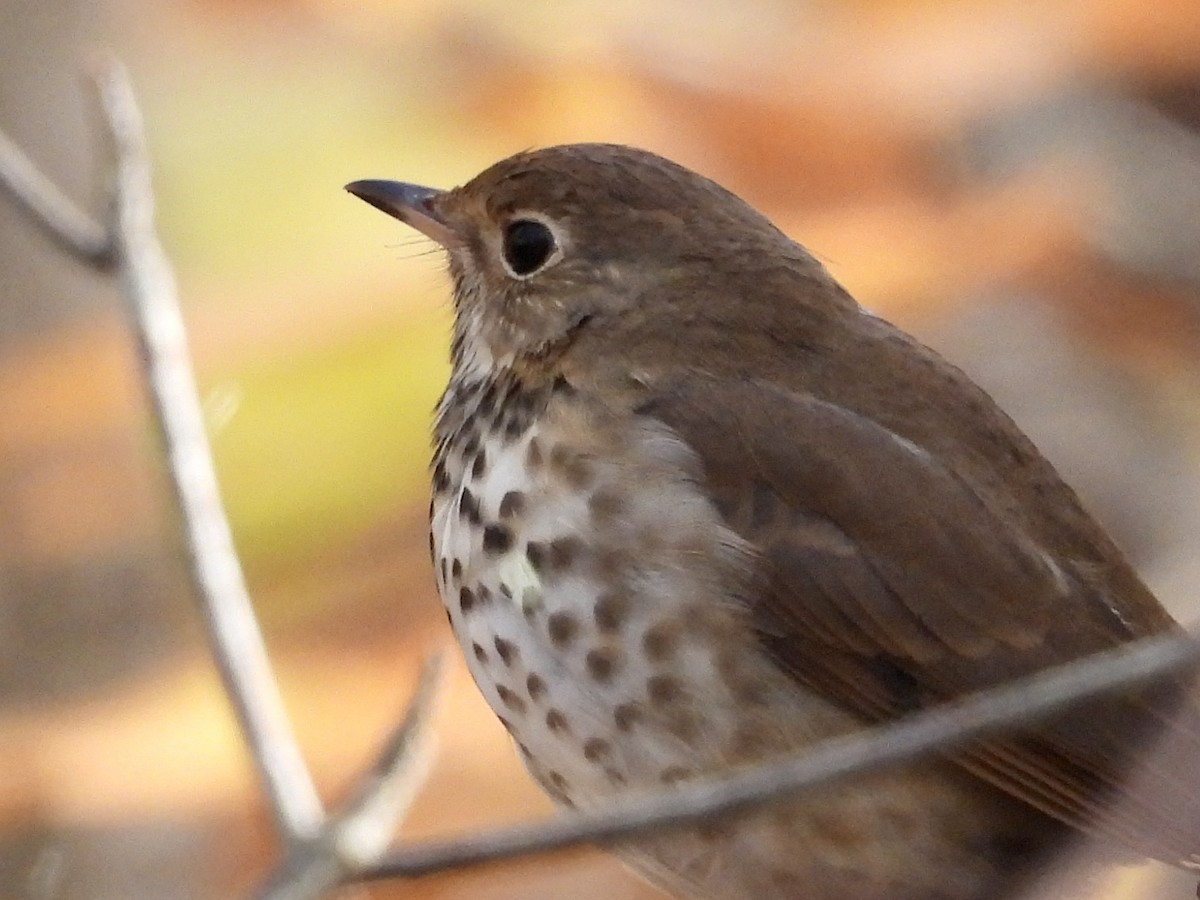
[595, 593]
[596, 596]
[580, 604]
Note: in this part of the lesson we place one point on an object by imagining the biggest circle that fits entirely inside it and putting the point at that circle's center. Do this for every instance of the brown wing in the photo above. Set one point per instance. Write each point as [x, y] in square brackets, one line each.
[888, 583]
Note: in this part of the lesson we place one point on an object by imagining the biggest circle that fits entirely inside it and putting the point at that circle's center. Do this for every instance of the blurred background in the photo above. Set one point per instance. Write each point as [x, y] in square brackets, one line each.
[1016, 181]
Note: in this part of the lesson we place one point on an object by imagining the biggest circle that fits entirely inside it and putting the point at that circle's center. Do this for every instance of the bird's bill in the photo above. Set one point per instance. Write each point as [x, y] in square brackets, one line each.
[410, 203]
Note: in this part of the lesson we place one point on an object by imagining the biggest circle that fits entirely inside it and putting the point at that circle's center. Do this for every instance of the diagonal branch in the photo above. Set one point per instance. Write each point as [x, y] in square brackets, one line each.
[214, 568]
[61, 220]
[320, 853]
[127, 243]
[356, 837]
[1017, 704]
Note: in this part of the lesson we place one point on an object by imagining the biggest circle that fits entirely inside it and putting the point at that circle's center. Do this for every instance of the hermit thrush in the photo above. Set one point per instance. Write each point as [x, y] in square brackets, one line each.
[694, 508]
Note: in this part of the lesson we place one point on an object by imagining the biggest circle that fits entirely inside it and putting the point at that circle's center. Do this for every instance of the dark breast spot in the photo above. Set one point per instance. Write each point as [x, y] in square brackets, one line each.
[466, 599]
[506, 650]
[479, 466]
[510, 698]
[513, 429]
[535, 686]
[674, 774]
[556, 721]
[562, 629]
[537, 553]
[660, 641]
[441, 481]
[605, 504]
[627, 715]
[533, 455]
[602, 663]
[512, 504]
[610, 611]
[663, 690]
[556, 557]
[487, 403]
[596, 750]
[468, 508]
[684, 723]
[497, 539]
[564, 552]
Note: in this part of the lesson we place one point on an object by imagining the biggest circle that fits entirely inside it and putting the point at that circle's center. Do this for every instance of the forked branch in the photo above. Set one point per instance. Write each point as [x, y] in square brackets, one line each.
[125, 242]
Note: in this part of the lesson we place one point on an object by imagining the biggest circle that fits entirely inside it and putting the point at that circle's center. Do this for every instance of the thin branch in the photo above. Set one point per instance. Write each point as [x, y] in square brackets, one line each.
[61, 220]
[129, 244]
[216, 574]
[321, 852]
[1017, 704]
[362, 831]
[375, 809]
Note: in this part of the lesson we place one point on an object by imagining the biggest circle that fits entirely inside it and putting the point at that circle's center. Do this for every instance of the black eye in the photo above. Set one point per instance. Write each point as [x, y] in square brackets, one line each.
[527, 246]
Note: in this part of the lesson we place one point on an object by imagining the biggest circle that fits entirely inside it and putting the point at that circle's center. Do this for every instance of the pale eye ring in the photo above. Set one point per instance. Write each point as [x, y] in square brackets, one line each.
[528, 246]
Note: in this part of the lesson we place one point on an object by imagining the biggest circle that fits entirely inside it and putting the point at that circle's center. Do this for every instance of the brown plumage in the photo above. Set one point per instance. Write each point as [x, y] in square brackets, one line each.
[731, 456]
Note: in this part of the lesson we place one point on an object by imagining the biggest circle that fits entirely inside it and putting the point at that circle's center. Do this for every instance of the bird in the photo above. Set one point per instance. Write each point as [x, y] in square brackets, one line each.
[694, 508]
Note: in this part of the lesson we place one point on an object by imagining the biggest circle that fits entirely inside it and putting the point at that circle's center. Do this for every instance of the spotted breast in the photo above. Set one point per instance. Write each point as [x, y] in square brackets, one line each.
[590, 585]
[599, 601]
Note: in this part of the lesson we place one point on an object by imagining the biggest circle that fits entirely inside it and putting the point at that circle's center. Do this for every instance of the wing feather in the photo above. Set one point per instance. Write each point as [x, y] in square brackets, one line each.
[890, 582]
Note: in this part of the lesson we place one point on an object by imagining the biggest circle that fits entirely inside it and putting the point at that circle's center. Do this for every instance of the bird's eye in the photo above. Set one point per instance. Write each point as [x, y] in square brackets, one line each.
[528, 244]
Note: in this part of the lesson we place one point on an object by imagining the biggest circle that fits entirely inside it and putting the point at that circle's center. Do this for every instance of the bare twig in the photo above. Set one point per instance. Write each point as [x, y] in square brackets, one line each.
[372, 813]
[128, 244]
[1017, 704]
[216, 574]
[357, 836]
[320, 852]
[60, 219]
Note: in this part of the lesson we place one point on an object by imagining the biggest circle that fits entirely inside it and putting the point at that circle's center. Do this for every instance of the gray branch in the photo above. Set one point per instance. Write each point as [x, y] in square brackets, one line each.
[61, 220]
[354, 839]
[320, 852]
[1018, 704]
[237, 643]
